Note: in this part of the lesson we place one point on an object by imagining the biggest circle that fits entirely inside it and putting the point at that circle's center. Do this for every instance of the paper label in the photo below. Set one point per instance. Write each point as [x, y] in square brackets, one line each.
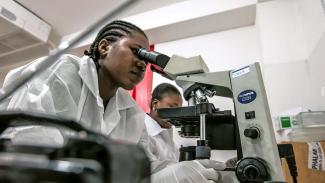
[316, 156]
[240, 72]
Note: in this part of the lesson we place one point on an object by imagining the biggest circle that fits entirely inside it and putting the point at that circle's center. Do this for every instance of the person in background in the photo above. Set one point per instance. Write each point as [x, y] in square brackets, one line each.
[92, 90]
[160, 131]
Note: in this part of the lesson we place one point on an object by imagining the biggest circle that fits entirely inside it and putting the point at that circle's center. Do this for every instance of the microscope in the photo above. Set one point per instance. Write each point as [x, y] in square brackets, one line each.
[85, 157]
[253, 136]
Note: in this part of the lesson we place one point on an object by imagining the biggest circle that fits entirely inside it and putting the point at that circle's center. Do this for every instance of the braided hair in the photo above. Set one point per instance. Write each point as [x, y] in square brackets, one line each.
[112, 32]
[161, 90]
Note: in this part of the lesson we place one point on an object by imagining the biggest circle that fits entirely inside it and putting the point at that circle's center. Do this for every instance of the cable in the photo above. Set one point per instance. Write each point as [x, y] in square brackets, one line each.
[51, 59]
[286, 151]
[292, 167]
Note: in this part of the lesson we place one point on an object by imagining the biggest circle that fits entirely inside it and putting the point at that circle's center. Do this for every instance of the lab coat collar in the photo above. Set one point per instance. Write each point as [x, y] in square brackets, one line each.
[88, 74]
[153, 127]
[123, 99]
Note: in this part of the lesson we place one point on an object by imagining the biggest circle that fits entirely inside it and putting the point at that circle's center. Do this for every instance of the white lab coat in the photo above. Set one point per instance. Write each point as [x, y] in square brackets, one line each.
[69, 88]
[161, 141]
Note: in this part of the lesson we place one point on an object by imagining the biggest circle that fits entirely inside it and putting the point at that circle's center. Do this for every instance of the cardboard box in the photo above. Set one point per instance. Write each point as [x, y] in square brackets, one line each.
[305, 174]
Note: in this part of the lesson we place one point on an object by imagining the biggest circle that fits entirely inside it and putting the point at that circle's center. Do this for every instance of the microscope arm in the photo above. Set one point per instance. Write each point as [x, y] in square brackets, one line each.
[218, 82]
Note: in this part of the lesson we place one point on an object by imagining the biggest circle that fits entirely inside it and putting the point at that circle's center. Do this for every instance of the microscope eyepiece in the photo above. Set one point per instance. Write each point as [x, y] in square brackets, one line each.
[153, 57]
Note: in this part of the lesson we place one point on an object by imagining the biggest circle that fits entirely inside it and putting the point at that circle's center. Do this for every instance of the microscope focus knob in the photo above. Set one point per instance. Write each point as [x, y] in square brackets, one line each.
[252, 132]
[252, 169]
[251, 172]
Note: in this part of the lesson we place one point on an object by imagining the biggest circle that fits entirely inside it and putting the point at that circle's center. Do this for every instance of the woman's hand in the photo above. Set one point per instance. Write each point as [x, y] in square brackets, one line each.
[162, 122]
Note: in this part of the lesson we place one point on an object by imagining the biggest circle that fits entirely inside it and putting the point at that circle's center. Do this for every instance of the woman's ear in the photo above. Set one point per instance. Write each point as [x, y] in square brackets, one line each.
[154, 104]
[103, 47]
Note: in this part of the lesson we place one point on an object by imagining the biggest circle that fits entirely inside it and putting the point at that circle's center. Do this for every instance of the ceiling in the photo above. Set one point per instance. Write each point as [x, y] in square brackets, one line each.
[162, 20]
[70, 16]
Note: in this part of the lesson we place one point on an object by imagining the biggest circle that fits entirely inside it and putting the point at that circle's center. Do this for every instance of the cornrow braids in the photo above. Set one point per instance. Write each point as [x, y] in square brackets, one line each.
[112, 32]
[161, 90]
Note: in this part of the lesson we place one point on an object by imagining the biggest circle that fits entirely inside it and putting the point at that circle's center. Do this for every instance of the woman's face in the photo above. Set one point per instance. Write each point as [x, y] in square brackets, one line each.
[120, 65]
[170, 100]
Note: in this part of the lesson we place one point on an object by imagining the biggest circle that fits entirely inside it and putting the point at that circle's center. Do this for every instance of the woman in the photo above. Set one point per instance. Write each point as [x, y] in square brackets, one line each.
[160, 132]
[92, 90]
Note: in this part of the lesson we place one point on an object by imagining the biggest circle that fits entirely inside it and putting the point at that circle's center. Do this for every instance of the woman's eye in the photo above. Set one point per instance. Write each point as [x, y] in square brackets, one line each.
[134, 50]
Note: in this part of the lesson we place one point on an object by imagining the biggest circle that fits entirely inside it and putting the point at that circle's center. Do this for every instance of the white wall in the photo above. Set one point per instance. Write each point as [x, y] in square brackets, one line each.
[283, 33]
[288, 86]
[280, 32]
[316, 64]
[221, 50]
[289, 31]
[311, 16]
[314, 32]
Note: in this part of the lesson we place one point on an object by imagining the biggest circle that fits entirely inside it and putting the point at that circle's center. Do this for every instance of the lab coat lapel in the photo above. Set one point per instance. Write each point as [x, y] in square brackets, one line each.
[90, 108]
[88, 74]
[111, 116]
[89, 113]
[116, 107]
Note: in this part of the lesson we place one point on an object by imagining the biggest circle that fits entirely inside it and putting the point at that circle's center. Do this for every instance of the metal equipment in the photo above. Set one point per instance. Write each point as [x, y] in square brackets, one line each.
[86, 157]
[260, 161]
